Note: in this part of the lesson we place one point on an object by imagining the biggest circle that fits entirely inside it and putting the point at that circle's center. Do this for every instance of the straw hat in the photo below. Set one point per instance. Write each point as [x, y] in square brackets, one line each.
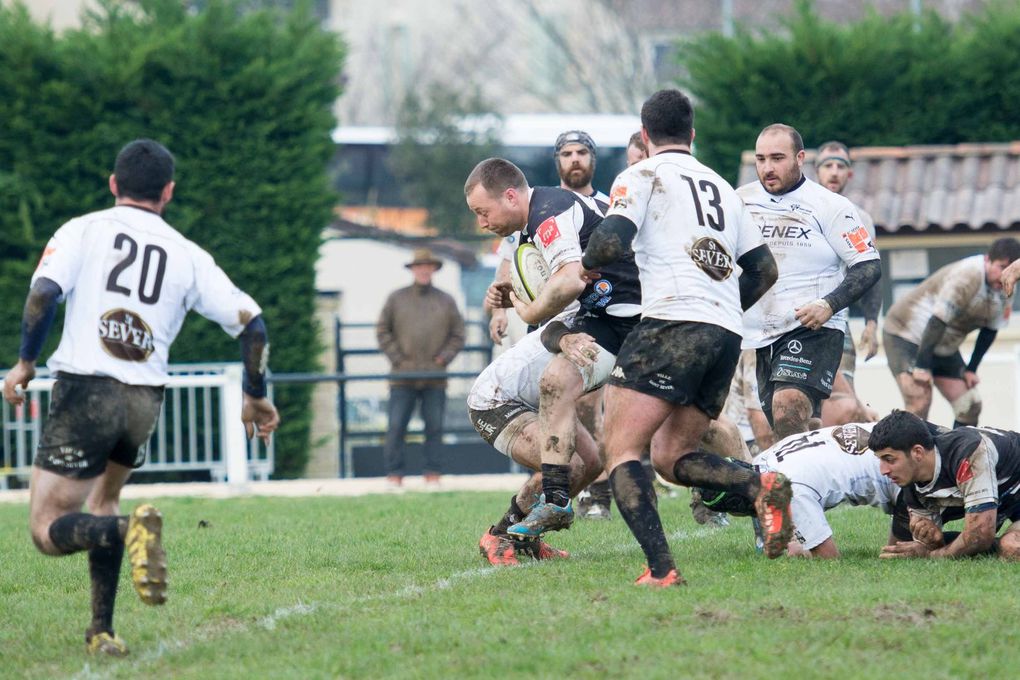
[424, 256]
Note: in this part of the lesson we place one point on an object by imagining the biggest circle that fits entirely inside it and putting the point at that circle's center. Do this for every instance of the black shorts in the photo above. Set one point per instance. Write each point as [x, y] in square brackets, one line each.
[93, 420]
[609, 331]
[848, 362]
[803, 359]
[501, 426]
[900, 355]
[686, 363]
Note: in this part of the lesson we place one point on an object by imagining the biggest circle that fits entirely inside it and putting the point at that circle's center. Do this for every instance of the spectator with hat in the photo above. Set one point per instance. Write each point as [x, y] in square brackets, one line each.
[420, 330]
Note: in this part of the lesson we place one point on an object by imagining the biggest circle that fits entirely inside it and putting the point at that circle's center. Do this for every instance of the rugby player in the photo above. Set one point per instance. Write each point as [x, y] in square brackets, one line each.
[827, 261]
[925, 328]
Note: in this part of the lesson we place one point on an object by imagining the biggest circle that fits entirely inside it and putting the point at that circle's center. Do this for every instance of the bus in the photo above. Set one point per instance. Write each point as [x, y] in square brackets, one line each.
[361, 171]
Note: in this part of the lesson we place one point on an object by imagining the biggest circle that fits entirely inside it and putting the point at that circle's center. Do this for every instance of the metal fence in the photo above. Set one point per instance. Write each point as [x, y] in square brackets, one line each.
[197, 428]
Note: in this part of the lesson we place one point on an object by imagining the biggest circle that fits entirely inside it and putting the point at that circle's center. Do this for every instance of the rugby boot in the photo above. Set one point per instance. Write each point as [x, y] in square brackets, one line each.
[673, 578]
[543, 517]
[547, 552]
[109, 644]
[497, 549]
[773, 507]
[598, 511]
[144, 543]
[703, 514]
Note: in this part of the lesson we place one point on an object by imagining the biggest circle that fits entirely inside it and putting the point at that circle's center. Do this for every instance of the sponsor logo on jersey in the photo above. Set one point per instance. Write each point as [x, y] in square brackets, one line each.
[618, 373]
[617, 195]
[44, 259]
[785, 231]
[603, 287]
[964, 473]
[125, 335]
[794, 347]
[858, 239]
[851, 438]
[548, 231]
[712, 258]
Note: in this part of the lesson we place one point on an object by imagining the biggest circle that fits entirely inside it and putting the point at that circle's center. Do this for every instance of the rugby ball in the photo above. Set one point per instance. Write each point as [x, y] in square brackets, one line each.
[529, 272]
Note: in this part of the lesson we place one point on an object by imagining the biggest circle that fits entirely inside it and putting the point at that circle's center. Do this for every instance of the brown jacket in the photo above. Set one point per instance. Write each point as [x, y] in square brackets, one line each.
[420, 329]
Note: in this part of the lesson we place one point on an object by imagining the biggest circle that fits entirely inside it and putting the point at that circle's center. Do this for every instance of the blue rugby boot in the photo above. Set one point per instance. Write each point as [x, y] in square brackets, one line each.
[541, 518]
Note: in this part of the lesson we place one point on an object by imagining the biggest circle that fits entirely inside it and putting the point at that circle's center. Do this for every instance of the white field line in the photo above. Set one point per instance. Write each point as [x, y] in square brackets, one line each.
[270, 621]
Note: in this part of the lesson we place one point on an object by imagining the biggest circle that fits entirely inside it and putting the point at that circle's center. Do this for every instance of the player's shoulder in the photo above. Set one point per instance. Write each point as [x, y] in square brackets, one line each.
[751, 191]
[550, 201]
[826, 201]
[958, 443]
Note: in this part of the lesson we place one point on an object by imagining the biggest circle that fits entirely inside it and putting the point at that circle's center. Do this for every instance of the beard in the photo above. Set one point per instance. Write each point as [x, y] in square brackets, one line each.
[577, 177]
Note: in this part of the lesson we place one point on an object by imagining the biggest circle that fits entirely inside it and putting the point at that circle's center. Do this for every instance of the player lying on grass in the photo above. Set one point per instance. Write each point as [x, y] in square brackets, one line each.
[973, 468]
[826, 467]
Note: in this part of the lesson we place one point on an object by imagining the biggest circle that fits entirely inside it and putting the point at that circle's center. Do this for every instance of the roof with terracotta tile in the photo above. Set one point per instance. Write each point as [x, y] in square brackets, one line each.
[911, 189]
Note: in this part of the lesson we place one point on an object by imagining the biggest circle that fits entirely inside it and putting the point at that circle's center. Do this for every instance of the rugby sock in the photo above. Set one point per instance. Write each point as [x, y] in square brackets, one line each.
[601, 494]
[104, 570]
[635, 500]
[709, 471]
[511, 517]
[81, 531]
[556, 484]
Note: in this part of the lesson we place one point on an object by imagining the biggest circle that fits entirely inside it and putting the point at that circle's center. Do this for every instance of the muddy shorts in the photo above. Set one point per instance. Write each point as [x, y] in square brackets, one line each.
[686, 363]
[501, 426]
[804, 359]
[93, 420]
[609, 331]
[901, 354]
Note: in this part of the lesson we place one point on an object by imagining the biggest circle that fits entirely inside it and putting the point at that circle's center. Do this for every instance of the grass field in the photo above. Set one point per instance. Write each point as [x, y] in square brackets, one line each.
[393, 586]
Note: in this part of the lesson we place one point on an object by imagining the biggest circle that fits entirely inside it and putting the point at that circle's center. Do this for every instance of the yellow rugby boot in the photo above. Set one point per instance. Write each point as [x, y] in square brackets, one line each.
[144, 543]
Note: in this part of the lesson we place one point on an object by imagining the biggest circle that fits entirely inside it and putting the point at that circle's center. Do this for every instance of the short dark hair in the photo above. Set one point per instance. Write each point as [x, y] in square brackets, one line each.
[496, 175]
[668, 118]
[798, 141]
[839, 146]
[900, 430]
[1006, 248]
[143, 167]
[635, 140]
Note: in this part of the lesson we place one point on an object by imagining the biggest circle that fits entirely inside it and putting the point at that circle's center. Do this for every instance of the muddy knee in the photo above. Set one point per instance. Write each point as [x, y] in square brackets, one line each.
[791, 410]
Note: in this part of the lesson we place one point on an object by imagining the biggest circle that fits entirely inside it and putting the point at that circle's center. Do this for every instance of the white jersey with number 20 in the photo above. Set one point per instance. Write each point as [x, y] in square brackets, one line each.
[129, 279]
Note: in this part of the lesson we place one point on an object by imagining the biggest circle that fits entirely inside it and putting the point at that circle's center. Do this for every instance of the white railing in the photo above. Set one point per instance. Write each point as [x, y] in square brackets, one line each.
[198, 427]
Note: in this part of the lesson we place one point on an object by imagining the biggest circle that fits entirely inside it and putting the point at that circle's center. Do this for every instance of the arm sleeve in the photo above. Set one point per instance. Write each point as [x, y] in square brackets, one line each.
[610, 241]
[858, 280]
[985, 338]
[255, 357]
[759, 272]
[871, 302]
[931, 337]
[37, 317]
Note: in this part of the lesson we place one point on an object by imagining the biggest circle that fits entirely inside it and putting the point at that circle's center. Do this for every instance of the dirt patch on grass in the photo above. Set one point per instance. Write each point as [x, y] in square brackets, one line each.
[904, 614]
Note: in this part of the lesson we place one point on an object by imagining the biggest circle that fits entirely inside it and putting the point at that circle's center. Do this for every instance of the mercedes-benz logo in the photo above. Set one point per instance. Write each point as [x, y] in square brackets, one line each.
[794, 347]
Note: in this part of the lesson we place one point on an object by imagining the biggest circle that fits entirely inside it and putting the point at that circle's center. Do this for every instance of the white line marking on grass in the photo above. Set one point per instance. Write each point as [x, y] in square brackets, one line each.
[270, 621]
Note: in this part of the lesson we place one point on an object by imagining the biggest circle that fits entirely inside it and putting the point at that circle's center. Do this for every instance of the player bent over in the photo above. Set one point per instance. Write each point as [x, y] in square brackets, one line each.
[975, 469]
[128, 279]
[503, 405]
[689, 231]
